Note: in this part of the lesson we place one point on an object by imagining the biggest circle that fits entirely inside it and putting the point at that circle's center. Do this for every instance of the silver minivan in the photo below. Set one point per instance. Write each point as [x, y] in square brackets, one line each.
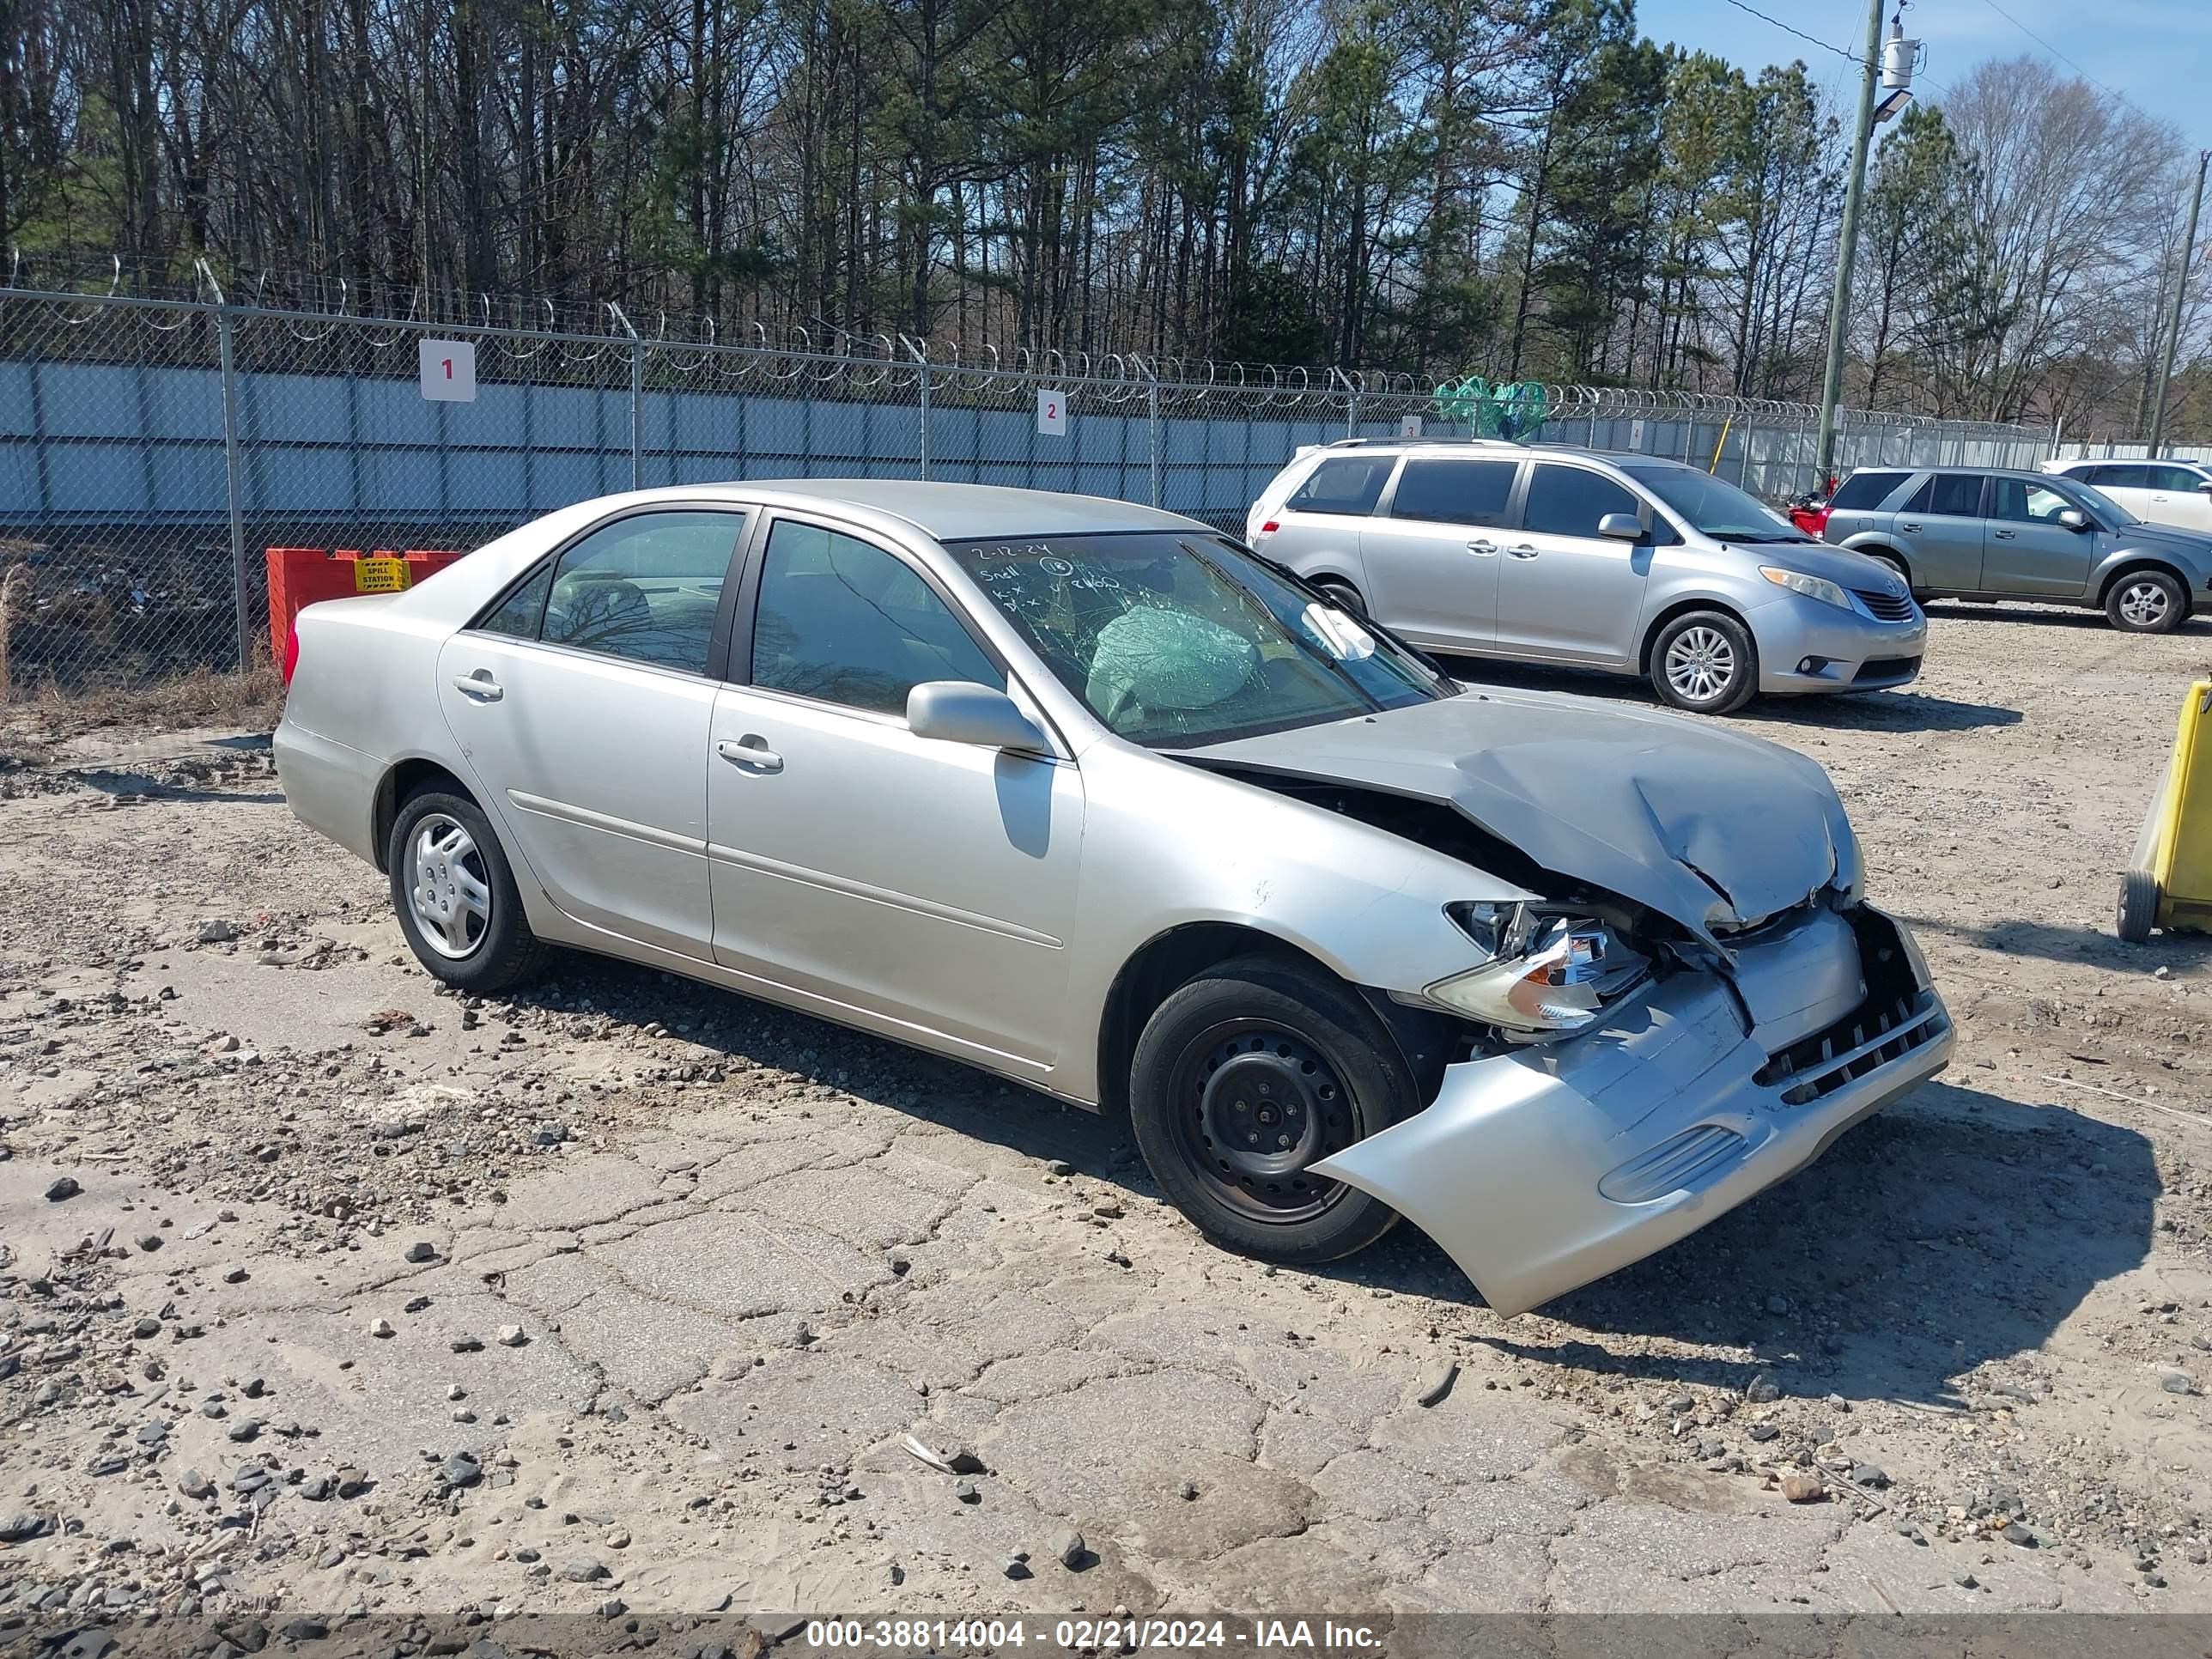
[1628, 564]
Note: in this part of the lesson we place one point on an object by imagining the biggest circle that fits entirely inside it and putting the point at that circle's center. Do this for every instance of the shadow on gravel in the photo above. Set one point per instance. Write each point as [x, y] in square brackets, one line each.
[1872, 711]
[2042, 615]
[2055, 943]
[1955, 1229]
[152, 788]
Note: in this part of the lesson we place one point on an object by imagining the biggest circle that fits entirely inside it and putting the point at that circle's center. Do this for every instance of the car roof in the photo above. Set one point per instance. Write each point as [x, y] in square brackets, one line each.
[1478, 445]
[948, 512]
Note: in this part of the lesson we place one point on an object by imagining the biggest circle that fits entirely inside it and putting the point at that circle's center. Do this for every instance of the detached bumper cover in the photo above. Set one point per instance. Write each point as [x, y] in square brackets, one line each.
[1539, 1170]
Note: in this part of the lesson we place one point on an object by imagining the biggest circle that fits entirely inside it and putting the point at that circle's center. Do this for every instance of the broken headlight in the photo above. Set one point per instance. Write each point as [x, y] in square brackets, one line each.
[1547, 975]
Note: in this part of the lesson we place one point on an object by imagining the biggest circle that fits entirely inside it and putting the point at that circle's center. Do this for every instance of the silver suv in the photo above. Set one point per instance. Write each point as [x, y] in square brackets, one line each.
[1981, 533]
[1625, 563]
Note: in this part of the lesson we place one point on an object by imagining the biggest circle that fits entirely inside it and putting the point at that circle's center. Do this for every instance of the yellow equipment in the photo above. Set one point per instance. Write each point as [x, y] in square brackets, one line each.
[2168, 883]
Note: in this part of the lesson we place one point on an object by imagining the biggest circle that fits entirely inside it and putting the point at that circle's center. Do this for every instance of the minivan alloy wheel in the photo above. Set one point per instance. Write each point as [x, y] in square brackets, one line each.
[1699, 663]
[448, 889]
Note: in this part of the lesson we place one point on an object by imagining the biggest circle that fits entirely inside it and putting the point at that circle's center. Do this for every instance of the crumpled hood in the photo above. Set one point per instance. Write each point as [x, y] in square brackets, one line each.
[1709, 828]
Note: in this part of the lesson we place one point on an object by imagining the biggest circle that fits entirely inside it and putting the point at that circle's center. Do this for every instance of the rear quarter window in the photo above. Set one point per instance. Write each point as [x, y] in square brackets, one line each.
[1864, 490]
[1343, 483]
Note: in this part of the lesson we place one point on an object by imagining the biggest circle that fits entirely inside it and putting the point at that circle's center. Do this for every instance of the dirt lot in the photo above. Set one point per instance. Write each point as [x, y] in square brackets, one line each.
[626, 1292]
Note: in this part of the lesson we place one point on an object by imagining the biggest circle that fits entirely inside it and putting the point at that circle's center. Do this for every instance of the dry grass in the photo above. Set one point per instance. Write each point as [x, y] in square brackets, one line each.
[251, 699]
[11, 594]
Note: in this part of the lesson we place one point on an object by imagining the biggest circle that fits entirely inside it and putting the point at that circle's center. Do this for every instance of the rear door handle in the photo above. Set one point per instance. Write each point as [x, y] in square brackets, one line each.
[1523, 551]
[2004, 535]
[1914, 528]
[479, 685]
[752, 753]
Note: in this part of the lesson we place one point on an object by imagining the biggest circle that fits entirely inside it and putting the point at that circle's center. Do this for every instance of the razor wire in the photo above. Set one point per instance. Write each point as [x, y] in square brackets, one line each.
[152, 448]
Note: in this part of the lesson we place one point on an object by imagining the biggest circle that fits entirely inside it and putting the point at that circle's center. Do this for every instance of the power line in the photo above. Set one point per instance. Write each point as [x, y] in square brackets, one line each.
[1813, 40]
[2110, 92]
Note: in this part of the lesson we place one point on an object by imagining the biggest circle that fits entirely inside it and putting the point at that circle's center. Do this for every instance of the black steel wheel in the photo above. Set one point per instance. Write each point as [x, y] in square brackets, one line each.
[1243, 1080]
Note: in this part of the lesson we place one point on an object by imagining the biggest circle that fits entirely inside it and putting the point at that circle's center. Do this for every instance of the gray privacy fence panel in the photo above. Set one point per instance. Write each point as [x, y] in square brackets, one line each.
[151, 450]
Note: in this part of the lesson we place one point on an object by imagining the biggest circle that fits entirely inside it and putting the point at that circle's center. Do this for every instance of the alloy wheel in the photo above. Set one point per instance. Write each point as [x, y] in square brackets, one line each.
[2145, 603]
[1700, 664]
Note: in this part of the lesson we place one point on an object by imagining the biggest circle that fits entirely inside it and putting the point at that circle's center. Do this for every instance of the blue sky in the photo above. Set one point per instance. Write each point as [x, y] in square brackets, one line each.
[2157, 53]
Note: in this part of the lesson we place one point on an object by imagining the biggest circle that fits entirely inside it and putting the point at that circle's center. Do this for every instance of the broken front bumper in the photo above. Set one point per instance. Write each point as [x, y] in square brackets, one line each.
[1544, 1168]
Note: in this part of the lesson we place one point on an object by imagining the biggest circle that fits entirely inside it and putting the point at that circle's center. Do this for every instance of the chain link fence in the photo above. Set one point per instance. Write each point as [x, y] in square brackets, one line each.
[150, 450]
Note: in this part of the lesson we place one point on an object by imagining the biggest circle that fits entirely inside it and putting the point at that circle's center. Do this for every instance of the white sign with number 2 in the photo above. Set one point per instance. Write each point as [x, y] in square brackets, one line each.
[1052, 412]
[449, 371]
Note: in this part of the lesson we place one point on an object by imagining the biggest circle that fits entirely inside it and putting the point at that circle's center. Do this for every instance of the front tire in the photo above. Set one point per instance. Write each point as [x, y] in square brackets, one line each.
[456, 897]
[1243, 1080]
[1705, 663]
[2147, 602]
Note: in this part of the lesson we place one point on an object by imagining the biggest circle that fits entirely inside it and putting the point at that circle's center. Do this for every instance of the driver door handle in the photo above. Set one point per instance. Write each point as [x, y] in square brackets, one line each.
[1523, 551]
[751, 754]
[479, 685]
[1482, 547]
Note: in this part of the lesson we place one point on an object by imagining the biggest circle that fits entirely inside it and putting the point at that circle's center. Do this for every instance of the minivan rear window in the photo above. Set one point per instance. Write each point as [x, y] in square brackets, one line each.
[1866, 489]
[1343, 483]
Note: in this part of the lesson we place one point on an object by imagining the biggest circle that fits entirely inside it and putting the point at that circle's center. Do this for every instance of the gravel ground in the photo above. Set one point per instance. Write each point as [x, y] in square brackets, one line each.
[627, 1293]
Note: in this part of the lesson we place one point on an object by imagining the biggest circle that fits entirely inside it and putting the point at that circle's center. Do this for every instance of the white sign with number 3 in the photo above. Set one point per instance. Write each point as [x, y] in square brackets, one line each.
[1052, 412]
[449, 371]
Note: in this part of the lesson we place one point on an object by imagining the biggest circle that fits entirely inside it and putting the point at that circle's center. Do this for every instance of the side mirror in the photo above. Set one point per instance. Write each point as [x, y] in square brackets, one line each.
[1621, 527]
[960, 711]
[2206, 488]
[2072, 518]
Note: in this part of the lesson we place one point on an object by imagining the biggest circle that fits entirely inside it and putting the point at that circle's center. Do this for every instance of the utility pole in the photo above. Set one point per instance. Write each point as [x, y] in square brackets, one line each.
[2173, 317]
[1839, 302]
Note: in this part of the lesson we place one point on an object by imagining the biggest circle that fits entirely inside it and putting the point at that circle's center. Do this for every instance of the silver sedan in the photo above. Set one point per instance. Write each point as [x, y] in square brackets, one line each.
[1089, 796]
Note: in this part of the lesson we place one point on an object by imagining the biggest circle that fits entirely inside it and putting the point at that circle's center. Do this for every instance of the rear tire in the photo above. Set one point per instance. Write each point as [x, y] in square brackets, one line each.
[1704, 663]
[456, 897]
[2137, 912]
[1343, 595]
[1244, 1078]
[2147, 602]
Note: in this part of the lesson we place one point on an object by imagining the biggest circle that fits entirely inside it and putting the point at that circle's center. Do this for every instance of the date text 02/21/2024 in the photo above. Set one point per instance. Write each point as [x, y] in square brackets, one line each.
[1099, 1635]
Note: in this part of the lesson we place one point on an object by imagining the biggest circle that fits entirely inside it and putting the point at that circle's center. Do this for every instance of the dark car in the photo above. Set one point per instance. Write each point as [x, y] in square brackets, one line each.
[1989, 533]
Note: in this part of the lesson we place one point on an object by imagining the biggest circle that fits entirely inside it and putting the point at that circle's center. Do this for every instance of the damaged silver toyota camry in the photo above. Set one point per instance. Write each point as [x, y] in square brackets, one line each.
[1090, 796]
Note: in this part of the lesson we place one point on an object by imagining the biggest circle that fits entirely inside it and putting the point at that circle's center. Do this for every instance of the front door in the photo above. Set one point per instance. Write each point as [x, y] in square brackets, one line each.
[1565, 592]
[1431, 558]
[928, 885]
[2027, 550]
[1940, 530]
[582, 704]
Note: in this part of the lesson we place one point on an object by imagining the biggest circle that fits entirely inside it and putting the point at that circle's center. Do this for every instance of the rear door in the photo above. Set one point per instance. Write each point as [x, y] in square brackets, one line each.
[582, 702]
[2027, 550]
[1940, 529]
[1432, 554]
[1564, 591]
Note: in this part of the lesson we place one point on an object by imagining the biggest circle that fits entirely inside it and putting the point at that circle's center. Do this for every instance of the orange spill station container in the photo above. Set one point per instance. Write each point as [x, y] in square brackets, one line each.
[301, 576]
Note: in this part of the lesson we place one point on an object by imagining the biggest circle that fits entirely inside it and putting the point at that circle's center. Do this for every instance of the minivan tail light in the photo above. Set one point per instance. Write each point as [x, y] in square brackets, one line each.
[291, 653]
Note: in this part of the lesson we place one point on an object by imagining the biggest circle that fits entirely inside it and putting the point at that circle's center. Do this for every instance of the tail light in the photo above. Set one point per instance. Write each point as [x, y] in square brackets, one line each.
[1812, 520]
[1267, 530]
[291, 653]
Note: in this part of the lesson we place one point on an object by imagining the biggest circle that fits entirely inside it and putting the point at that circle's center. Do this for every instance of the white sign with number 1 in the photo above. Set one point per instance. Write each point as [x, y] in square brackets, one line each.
[1052, 412]
[449, 371]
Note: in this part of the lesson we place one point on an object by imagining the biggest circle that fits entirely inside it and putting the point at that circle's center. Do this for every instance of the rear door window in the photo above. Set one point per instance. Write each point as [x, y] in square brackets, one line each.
[1343, 483]
[1952, 494]
[1455, 491]
[2124, 477]
[1569, 501]
[1865, 490]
